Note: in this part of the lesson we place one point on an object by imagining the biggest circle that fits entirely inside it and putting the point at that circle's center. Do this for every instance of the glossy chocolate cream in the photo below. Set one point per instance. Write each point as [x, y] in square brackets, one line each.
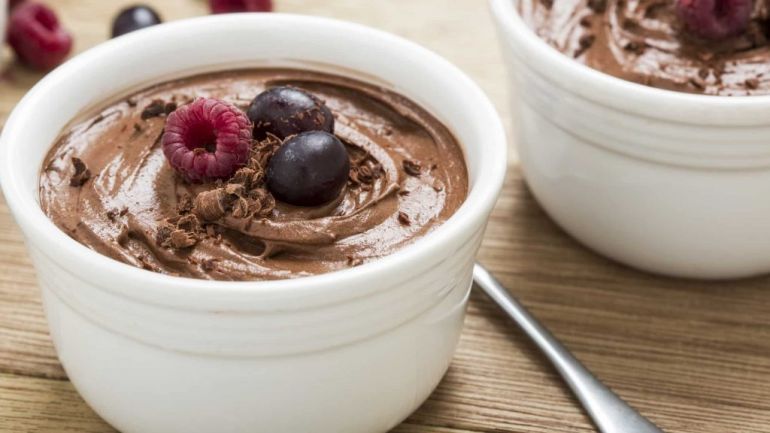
[107, 184]
[642, 41]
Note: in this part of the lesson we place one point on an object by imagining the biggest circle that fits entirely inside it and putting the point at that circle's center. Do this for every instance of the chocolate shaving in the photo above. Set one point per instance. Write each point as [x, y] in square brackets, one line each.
[377, 170]
[155, 109]
[184, 204]
[147, 264]
[263, 151]
[114, 213]
[189, 223]
[412, 168]
[181, 234]
[635, 47]
[629, 24]
[697, 83]
[365, 174]
[752, 83]
[598, 6]
[234, 189]
[361, 175]
[122, 235]
[82, 173]
[181, 239]
[655, 9]
[240, 208]
[585, 42]
[209, 265]
[364, 170]
[163, 235]
[403, 218]
[719, 70]
[265, 201]
[169, 108]
[354, 261]
[248, 177]
[98, 119]
[243, 196]
[353, 176]
[209, 205]
[585, 21]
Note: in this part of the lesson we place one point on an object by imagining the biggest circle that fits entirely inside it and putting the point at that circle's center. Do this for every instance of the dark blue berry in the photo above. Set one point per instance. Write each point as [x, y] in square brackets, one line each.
[284, 111]
[134, 18]
[309, 169]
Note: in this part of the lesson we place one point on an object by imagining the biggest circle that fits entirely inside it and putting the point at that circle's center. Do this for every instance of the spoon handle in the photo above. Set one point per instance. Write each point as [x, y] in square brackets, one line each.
[608, 411]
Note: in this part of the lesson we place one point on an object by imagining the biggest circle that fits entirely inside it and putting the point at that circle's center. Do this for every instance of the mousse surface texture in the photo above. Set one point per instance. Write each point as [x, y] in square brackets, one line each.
[648, 42]
[109, 186]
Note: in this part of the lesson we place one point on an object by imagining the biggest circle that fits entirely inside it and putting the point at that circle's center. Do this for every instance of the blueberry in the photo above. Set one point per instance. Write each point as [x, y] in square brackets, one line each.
[309, 169]
[134, 18]
[284, 111]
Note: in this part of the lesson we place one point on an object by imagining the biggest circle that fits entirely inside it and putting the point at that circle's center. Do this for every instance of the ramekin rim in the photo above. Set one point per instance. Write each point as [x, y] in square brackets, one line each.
[150, 285]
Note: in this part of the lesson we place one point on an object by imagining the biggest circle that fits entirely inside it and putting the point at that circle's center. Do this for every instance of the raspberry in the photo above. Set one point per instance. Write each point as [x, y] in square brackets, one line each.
[207, 139]
[36, 36]
[225, 6]
[714, 19]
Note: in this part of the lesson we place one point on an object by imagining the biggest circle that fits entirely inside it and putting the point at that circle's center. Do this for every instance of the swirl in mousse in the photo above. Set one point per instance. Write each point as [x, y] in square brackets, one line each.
[714, 47]
[253, 174]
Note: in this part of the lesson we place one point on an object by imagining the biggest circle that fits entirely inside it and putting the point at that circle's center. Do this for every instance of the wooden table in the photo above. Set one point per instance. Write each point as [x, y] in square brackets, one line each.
[694, 357]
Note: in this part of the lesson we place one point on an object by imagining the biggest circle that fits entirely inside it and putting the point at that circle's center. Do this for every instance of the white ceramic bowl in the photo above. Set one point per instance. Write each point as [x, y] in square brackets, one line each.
[347, 352]
[668, 182]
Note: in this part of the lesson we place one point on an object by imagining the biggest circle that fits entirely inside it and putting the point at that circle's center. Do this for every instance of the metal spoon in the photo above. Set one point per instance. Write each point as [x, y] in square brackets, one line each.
[608, 411]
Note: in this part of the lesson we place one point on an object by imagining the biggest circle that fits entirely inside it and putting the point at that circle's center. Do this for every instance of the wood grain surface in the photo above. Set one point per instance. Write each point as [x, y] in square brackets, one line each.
[693, 356]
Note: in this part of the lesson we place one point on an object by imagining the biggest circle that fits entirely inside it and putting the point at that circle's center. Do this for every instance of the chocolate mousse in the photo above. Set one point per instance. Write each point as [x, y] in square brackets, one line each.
[253, 174]
[715, 47]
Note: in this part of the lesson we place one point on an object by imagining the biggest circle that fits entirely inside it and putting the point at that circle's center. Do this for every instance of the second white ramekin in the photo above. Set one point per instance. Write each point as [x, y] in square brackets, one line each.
[672, 183]
[354, 351]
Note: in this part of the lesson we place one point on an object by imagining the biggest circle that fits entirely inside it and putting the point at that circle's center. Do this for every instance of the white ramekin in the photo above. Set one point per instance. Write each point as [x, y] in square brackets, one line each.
[347, 352]
[668, 182]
